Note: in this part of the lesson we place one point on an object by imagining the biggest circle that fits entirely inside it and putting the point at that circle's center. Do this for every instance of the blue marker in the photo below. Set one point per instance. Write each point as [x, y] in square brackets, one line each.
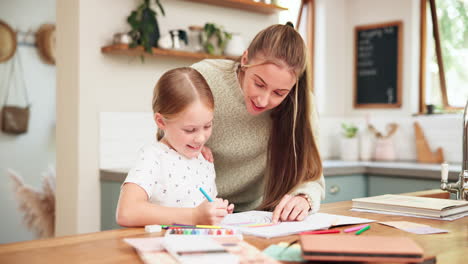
[206, 195]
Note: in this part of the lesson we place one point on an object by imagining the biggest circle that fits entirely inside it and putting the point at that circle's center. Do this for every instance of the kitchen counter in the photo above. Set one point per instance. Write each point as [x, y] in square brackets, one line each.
[404, 169]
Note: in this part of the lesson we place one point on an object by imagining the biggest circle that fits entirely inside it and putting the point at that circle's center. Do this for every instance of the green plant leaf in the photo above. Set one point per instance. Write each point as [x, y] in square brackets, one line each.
[160, 7]
[349, 130]
[133, 21]
[209, 48]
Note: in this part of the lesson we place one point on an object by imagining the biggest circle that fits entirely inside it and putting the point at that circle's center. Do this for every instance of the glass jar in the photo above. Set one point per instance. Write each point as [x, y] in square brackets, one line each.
[194, 39]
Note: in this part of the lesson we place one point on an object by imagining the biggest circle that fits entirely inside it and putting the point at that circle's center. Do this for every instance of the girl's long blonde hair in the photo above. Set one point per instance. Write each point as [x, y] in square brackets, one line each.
[293, 156]
[177, 89]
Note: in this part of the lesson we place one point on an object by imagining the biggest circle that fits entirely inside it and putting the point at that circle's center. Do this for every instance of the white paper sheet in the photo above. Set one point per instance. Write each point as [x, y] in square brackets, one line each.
[315, 221]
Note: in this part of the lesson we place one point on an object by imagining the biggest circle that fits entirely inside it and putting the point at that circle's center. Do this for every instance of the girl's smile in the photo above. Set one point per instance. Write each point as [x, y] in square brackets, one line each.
[188, 132]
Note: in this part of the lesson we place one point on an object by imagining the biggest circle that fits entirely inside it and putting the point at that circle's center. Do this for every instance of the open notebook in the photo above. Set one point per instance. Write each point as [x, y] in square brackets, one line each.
[257, 223]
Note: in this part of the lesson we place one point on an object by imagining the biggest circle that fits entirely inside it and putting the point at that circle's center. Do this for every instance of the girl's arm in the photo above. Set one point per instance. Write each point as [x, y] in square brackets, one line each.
[134, 209]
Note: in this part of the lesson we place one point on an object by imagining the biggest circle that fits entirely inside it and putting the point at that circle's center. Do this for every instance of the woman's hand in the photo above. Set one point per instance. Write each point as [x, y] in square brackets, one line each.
[207, 154]
[291, 208]
[211, 213]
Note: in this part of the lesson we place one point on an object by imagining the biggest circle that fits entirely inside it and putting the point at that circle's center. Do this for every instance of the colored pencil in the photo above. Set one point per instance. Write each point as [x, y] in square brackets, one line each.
[205, 194]
[319, 232]
[208, 226]
[362, 230]
[356, 228]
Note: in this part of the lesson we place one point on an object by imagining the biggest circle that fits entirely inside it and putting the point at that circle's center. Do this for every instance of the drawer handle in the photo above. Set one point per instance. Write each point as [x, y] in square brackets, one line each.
[334, 189]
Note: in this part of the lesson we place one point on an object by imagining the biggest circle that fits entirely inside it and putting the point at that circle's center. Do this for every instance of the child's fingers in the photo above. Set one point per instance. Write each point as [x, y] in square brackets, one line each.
[220, 212]
[230, 209]
[220, 203]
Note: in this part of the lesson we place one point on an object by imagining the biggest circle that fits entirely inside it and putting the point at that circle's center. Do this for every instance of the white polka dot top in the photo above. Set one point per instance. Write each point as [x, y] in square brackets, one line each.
[170, 179]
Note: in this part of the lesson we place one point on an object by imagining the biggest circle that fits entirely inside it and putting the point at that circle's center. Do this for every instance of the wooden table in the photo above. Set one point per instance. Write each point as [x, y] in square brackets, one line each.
[108, 247]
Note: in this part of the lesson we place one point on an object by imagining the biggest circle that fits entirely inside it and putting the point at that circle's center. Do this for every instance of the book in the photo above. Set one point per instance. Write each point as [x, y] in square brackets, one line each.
[412, 205]
[360, 248]
[259, 223]
[151, 250]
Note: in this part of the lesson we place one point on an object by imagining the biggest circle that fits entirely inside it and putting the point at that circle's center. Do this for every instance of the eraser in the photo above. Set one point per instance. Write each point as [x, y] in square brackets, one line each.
[152, 228]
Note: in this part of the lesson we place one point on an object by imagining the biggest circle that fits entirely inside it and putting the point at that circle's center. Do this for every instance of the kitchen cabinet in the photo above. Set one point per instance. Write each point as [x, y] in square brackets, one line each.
[378, 185]
[344, 188]
[110, 191]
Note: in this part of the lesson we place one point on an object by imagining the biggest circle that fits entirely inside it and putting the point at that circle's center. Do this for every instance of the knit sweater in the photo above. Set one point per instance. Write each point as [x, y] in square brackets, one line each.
[239, 141]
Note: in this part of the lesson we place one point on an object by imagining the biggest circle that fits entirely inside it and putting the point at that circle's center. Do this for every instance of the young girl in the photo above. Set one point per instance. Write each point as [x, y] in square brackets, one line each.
[163, 187]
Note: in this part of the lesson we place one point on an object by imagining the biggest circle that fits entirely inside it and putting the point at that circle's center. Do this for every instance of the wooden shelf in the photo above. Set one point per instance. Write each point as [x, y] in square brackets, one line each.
[248, 5]
[123, 49]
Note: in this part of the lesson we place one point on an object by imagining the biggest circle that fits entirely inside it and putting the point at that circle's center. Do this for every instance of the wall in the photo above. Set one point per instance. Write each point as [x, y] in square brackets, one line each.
[336, 20]
[101, 83]
[335, 23]
[37, 147]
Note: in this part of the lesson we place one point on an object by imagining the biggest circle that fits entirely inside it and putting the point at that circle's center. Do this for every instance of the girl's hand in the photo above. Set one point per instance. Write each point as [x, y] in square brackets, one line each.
[207, 154]
[291, 208]
[230, 208]
[210, 213]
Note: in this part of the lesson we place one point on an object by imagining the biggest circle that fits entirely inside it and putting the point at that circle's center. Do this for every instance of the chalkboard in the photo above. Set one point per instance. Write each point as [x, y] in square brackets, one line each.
[377, 69]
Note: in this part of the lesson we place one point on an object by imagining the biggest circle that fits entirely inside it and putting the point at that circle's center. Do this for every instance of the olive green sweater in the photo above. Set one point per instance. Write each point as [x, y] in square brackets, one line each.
[239, 141]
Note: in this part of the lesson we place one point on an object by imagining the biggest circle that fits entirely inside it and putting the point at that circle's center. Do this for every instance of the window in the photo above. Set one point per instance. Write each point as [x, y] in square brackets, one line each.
[302, 14]
[444, 54]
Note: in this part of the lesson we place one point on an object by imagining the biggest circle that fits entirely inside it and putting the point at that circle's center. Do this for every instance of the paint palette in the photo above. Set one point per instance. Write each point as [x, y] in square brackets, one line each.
[212, 232]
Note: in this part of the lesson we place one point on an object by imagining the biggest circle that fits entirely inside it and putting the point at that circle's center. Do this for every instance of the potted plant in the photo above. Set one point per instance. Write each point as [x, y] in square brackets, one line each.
[145, 29]
[349, 147]
[214, 38]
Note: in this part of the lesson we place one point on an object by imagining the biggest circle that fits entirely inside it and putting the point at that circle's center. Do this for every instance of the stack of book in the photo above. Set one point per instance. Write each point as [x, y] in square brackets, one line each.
[412, 205]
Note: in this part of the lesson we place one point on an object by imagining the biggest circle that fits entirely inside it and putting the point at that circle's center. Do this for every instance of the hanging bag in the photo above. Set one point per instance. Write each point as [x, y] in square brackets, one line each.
[15, 119]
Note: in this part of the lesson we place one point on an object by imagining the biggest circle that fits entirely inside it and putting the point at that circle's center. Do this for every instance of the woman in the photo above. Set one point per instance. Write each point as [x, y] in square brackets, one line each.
[265, 150]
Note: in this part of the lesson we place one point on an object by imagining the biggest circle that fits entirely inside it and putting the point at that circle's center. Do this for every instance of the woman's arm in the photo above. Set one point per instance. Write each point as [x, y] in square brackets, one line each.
[134, 209]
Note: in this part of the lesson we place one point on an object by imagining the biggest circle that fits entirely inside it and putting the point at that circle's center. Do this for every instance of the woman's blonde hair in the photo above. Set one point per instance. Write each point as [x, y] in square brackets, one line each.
[177, 89]
[293, 156]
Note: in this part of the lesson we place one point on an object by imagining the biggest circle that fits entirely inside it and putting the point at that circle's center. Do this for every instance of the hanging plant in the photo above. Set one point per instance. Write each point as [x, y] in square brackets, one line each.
[214, 38]
[145, 29]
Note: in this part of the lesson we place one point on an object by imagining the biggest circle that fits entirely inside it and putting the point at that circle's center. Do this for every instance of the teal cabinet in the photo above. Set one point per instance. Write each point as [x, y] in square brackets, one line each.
[345, 188]
[379, 185]
[338, 188]
[110, 192]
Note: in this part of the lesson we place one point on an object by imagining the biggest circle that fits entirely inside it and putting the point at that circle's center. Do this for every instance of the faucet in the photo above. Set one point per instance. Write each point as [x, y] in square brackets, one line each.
[460, 188]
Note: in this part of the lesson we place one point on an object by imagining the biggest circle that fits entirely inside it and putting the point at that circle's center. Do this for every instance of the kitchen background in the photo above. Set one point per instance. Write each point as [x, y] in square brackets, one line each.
[103, 101]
